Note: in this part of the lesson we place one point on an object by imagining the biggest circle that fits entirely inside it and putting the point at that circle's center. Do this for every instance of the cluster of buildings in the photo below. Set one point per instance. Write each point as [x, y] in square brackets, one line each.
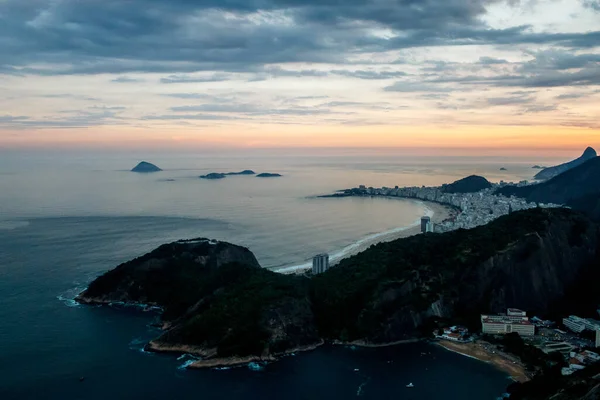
[477, 208]
[454, 334]
[514, 320]
[580, 360]
[578, 325]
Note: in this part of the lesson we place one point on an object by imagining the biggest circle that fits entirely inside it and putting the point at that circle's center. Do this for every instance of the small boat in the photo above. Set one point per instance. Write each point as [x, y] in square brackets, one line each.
[356, 370]
[410, 385]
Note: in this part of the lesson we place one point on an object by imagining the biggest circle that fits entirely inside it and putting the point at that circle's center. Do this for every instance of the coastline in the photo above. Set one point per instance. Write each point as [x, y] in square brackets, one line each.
[362, 343]
[436, 211]
[210, 359]
[478, 351]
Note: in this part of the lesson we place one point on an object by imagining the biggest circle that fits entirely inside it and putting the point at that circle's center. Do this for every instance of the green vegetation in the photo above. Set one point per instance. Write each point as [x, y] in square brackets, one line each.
[384, 294]
[234, 300]
[356, 299]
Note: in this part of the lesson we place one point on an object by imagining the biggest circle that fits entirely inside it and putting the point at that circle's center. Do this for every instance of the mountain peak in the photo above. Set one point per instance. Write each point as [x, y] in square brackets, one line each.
[589, 152]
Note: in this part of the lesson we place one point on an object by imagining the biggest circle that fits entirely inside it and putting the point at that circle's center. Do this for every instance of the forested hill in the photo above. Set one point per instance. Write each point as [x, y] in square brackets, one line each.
[535, 259]
[579, 188]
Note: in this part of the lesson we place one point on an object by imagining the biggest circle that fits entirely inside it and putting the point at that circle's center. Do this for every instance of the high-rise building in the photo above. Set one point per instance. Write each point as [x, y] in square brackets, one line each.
[320, 263]
[574, 323]
[425, 222]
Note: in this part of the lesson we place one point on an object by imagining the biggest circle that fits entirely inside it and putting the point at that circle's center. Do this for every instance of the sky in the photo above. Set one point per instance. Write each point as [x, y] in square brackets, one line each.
[506, 75]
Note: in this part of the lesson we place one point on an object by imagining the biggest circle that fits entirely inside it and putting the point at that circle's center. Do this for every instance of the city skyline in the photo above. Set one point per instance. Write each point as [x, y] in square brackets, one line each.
[463, 75]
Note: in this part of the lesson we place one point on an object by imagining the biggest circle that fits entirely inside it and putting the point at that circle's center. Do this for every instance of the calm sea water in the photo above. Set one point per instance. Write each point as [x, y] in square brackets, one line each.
[66, 218]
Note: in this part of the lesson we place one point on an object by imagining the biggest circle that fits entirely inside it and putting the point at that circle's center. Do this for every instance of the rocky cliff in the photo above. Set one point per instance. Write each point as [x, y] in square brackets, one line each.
[551, 172]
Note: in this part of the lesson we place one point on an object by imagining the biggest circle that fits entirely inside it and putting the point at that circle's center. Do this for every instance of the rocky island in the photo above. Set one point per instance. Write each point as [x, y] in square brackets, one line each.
[145, 167]
[268, 175]
[222, 175]
[213, 175]
[220, 305]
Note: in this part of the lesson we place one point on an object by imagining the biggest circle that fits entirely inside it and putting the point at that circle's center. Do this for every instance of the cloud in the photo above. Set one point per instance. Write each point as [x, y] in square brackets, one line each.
[216, 77]
[411, 86]
[507, 101]
[181, 36]
[126, 79]
[593, 4]
[76, 119]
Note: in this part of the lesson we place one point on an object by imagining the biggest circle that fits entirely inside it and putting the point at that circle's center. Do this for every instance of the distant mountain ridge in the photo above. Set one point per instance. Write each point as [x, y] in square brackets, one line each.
[578, 187]
[551, 172]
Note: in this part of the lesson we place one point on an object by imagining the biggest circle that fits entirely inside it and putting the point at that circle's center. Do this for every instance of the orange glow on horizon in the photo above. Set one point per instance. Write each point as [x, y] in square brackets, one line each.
[499, 139]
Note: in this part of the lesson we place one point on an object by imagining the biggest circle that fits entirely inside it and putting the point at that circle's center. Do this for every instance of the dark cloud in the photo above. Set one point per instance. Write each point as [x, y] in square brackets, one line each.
[183, 36]
[67, 119]
[569, 96]
[508, 101]
[491, 61]
[411, 86]
[366, 74]
[126, 79]
[593, 4]
[538, 108]
[216, 77]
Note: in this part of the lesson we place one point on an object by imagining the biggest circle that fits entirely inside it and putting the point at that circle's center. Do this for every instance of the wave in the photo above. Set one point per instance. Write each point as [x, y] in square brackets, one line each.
[355, 247]
[68, 296]
[187, 359]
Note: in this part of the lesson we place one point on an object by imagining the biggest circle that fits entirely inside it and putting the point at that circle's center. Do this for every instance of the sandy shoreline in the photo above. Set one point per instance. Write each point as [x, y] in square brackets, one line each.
[437, 212]
[478, 351]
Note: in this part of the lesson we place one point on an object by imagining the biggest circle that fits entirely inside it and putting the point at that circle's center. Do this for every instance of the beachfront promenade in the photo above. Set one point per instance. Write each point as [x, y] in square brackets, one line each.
[476, 209]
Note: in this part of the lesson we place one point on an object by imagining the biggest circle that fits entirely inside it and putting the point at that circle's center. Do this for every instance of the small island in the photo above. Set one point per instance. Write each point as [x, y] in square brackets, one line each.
[244, 172]
[222, 175]
[146, 167]
[268, 175]
[503, 169]
[538, 167]
[213, 175]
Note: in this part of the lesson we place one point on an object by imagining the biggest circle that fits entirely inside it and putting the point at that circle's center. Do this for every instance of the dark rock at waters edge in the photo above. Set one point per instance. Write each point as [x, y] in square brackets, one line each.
[220, 304]
[268, 175]
[221, 175]
[470, 184]
[213, 175]
[503, 169]
[145, 167]
[551, 172]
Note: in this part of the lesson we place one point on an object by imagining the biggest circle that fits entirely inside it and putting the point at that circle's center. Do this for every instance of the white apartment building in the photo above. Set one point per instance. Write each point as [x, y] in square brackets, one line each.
[575, 323]
[320, 263]
[514, 321]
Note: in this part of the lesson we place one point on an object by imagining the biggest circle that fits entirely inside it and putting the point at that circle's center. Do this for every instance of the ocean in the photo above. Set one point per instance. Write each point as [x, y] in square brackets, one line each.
[65, 218]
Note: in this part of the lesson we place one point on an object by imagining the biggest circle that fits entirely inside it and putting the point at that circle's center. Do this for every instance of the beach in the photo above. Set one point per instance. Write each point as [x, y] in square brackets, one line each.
[481, 351]
[437, 212]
